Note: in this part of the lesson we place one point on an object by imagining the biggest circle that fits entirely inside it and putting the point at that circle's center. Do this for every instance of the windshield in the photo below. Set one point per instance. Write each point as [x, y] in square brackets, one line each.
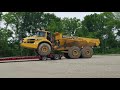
[40, 34]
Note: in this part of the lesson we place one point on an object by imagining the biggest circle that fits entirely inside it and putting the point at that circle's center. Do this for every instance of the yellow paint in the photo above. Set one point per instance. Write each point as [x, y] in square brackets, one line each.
[81, 41]
[37, 40]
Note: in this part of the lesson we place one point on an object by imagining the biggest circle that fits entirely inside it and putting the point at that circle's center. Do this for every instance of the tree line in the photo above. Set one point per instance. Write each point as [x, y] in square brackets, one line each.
[17, 25]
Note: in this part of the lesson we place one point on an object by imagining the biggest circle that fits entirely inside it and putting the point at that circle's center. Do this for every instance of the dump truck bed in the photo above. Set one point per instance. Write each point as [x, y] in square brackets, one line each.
[90, 40]
[69, 41]
[81, 41]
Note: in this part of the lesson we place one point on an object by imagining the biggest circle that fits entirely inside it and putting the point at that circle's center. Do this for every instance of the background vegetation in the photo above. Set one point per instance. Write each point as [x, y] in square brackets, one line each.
[17, 25]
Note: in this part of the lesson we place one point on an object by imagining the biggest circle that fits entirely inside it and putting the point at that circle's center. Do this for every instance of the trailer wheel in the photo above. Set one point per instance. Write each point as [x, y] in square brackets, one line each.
[87, 52]
[44, 58]
[44, 49]
[66, 55]
[74, 52]
[56, 57]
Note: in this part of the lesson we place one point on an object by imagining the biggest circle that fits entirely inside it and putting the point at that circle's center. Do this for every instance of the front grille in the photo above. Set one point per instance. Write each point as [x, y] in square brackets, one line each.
[30, 40]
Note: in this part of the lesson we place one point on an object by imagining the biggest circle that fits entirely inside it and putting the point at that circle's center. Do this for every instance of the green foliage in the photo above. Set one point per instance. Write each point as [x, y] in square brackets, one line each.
[71, 26]
[52, 23]
[24, 24]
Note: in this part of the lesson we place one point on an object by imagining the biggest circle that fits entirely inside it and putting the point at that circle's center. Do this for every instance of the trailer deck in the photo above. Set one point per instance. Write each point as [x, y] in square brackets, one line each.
[52, 56]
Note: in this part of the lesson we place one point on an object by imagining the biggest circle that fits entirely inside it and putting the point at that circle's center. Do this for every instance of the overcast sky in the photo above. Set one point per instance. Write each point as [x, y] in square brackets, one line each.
[79, 15]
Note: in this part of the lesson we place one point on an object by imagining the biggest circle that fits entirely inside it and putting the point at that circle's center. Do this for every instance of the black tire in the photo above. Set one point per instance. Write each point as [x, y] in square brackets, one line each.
[56, 57]
[44, 58]
[52, 58]
[74, 52]
[66, 55]
[44, 49]
[81, 56]
[87, 52]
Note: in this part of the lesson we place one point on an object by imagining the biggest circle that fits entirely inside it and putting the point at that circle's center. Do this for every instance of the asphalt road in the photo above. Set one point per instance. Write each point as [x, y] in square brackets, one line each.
[95, 67]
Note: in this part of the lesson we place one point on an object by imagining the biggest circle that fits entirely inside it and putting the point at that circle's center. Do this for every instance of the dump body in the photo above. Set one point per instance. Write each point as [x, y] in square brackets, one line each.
[66, 41]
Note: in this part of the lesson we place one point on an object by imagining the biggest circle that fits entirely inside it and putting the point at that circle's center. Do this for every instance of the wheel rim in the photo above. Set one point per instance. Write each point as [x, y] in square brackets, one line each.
[87, 52]
[44, 49]
[75, 52]
[44, 58]
[56, 57]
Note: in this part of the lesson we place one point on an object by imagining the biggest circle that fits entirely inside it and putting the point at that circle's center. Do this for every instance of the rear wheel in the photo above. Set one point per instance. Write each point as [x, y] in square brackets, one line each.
[87, 52]
[74, 52]
[44, 49]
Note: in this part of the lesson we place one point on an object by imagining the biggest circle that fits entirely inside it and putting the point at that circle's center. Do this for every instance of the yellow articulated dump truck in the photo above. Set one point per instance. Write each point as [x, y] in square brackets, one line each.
[72, 47]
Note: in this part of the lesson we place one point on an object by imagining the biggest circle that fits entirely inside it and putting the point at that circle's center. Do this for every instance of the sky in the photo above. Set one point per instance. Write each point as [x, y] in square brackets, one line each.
[79, 15]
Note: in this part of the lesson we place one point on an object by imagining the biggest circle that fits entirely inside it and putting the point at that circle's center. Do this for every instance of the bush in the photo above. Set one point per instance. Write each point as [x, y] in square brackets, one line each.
[107, 51]
[113, 51]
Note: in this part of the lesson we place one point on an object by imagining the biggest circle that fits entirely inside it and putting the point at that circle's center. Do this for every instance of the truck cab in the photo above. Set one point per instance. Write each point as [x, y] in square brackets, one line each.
[33, 42]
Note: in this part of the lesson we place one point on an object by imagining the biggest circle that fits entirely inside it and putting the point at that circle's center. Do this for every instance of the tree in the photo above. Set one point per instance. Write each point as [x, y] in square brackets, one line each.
[99, 25]
[117, 17]
[24, 24]
[4, 41]
[32, 21]
[71, 26]
[52, 23]
[14, 20]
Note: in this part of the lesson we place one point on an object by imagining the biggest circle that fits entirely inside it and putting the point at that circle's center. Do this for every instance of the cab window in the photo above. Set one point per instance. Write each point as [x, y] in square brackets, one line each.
[40, 34]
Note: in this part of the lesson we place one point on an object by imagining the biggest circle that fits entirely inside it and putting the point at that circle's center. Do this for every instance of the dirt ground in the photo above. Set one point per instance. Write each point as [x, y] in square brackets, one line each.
[106, 66]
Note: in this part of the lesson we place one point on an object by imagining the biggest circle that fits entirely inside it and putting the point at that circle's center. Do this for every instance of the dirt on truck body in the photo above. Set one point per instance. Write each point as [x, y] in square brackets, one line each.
[72, 47]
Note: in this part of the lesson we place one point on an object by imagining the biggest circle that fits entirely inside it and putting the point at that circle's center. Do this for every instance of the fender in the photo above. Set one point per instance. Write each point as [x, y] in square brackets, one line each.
[45, 41]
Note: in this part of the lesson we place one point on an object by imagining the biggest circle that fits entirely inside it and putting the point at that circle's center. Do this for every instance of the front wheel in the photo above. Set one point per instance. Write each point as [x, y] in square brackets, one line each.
[44, 49]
